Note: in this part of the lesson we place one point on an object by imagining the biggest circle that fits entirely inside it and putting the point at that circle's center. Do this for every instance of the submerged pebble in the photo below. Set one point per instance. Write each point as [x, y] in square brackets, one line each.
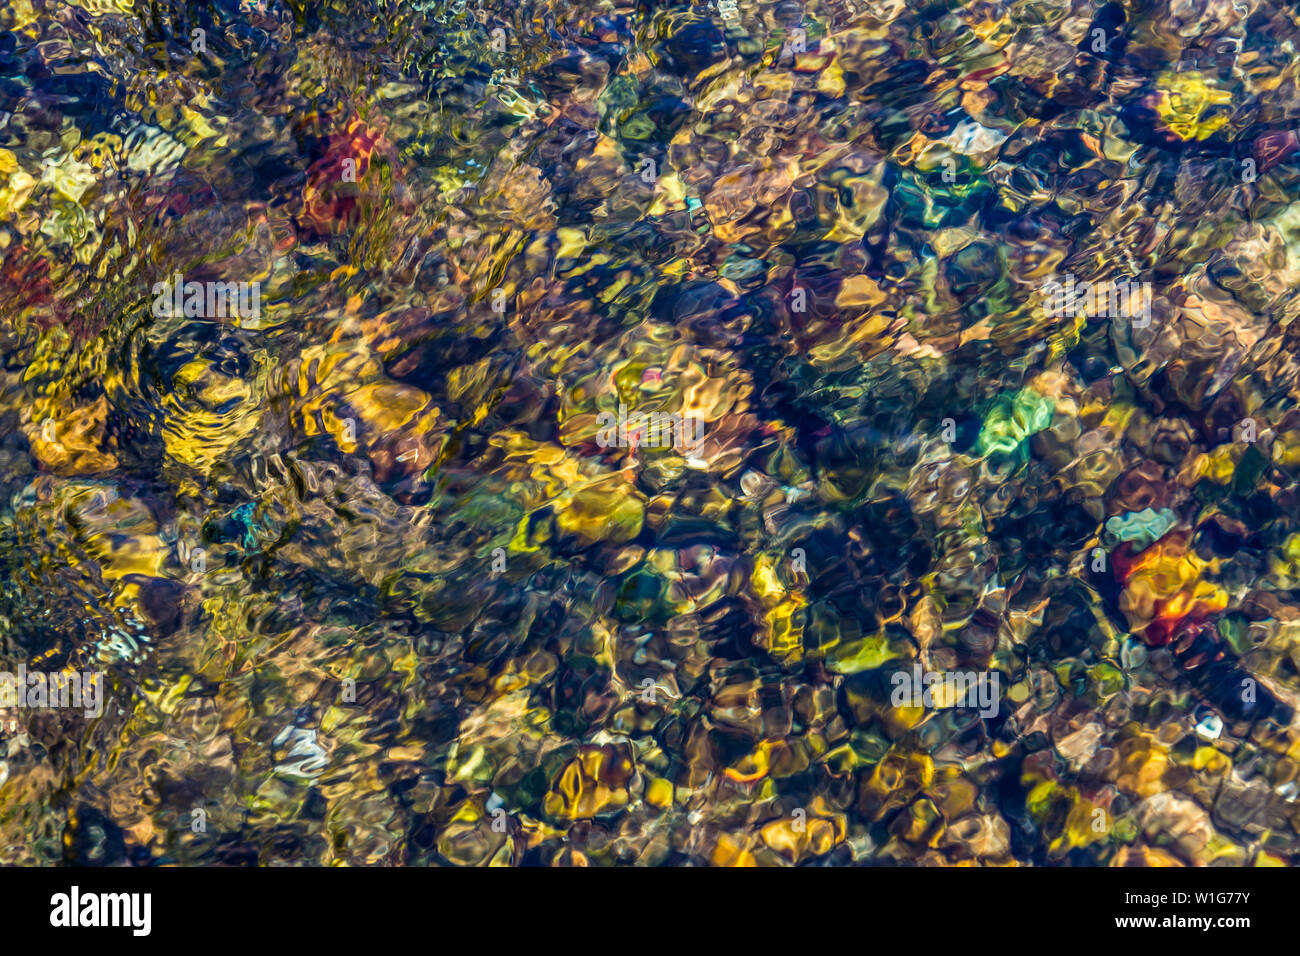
[601, 434]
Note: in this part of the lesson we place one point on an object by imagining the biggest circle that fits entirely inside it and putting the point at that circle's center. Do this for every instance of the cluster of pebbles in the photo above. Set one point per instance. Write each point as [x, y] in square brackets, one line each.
[367, 577]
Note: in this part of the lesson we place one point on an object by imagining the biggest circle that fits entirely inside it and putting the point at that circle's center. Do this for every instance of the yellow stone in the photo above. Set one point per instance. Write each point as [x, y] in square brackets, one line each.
[71, 442]
[594, 782]
[729, 851]
[572, 242]
[605, 510]
[797, 838]
[659, 793]
[1182, 100]
[859, 290]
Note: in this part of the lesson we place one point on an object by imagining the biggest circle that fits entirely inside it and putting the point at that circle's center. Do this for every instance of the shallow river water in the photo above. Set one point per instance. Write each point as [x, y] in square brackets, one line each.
[742, 433]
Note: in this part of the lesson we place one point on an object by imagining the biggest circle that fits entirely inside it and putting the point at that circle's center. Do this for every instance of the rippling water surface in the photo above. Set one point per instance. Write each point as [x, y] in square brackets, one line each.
[745, 433]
